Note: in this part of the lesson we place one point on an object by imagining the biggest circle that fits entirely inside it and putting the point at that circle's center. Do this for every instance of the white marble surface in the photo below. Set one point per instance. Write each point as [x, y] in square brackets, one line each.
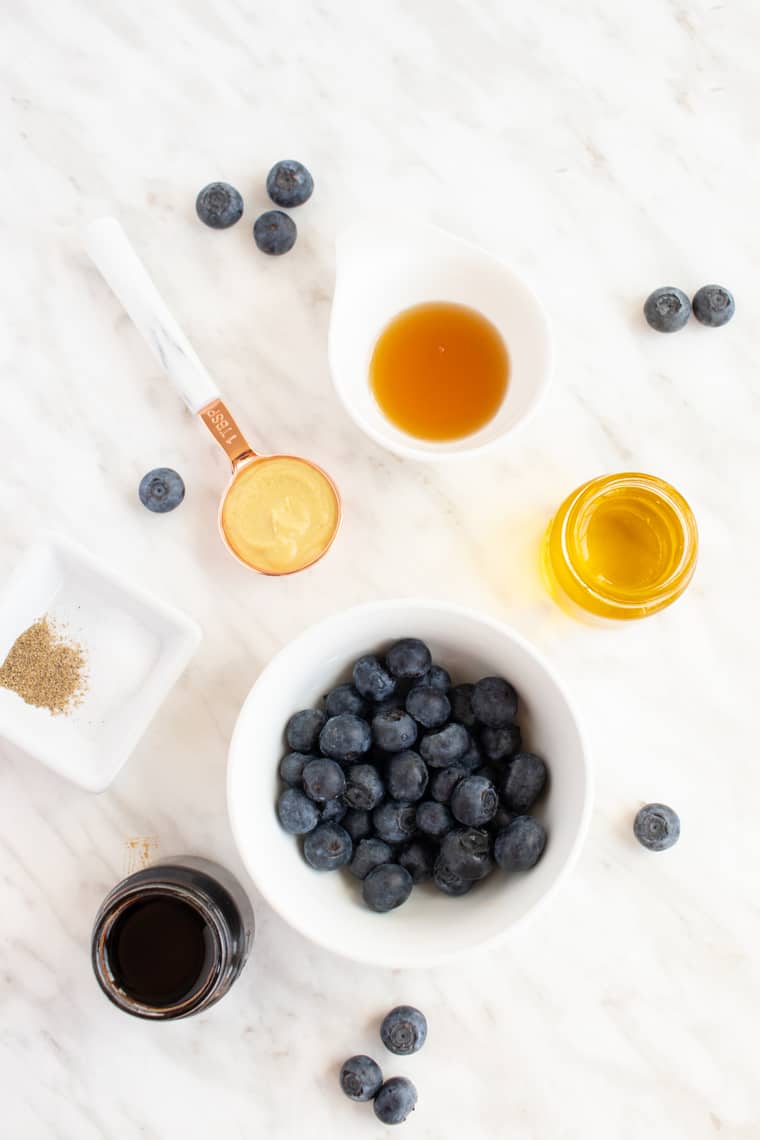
[603, 150]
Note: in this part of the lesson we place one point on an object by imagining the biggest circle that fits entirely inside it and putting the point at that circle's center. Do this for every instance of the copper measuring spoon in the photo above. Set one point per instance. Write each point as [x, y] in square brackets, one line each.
[282, 497]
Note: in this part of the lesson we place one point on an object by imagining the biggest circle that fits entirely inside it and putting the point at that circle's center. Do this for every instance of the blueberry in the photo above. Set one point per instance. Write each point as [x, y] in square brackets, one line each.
[344, 698]
[364, 787]
[461, 705]
[713, 306]
[524, 782]
[372, 679]
[303, 729]
[445, 747]
[323, 780]
[499, 743]
[408, 658]
[289, 184]
[474, 801]
[519, 846]
[407, 777]
[327, 847]
[387, 887]
[494, 702]
[296, 812]
[274, 232]
[443, 782]
[418, 858]
[219, 205]
[448, 882]
[502, 819]
[437, 678]
[368, 854]
[393, 730]
[345, 737]
[404, 1030]
[473, 758]
[657, 827]
[667, 309]
[291, 767]
[332, 811]
[395, 1101]
[161, 490]
[358, 824]
[434, 819]
[430, 707]
[466, 851]
[360, 1077]
[394, 822]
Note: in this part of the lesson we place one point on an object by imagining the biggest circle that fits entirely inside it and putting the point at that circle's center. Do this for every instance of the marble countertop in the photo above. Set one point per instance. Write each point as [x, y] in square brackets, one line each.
[602, 150]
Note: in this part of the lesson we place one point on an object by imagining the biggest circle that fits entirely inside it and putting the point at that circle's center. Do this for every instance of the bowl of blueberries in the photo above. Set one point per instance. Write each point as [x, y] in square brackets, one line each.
[407, 782]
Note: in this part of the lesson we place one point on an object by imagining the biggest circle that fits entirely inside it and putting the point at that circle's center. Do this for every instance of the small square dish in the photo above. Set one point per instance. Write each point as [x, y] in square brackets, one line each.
[135, 648]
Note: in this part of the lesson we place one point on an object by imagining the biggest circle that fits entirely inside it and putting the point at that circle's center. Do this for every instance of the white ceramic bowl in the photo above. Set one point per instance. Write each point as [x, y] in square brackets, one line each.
[382, 269]
[327, 908]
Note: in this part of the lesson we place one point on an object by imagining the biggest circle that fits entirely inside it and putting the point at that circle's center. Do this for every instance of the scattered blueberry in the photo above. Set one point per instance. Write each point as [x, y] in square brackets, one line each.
[289, 184]
[387, 887]
[445, 747]
[466, 852]
[418, 858]
[434, 819]
[461, 705]
[448, 882]
[499, 743]
[364, 787]
[404, 1030]
[474, 801]
[713, 306]
[358, 824]
[360, 1077]
[303, 729]
[408, 658]
[657, 827]
[394, 822]
[520, 845]
[296, 812]
[274, 232]
[395, 1101]
[219, 205]
[429, 706]
[407, 777]
[524, 782]
[372, 679]
[332, 811]
[345, 737]
[327, 847]
[494, 702]
[393, 730]
[443, 782]
[161, 490]
[667, 309]
[323, 780]
[291, 767]
[344, 698]
[368, 854]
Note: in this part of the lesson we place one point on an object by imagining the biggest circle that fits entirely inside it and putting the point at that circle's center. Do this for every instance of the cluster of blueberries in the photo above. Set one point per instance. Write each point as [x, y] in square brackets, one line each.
[289, 184]
[403, 1031]
[668, 309]
[404, 777]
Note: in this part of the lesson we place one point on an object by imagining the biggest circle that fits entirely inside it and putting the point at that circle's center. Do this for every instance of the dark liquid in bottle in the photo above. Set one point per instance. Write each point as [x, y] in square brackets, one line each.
[160, 950]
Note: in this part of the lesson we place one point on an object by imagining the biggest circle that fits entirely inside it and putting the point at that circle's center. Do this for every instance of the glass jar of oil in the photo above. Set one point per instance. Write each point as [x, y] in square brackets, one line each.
[621, 547]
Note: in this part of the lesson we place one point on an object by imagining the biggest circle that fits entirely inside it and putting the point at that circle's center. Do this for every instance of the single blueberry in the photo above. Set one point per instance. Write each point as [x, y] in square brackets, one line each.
[667, 309]
[303, 729]
[404, 1030]
[408, 658]
[445, 747]
[448, 882]
[418, 858]
[372, 679]
[289, 184]
[368, 854]
[437, 678]
[520, 845]
[494, 702]
[358, 824]
[444, 780]
[291, 767]
[393, 730]
[430, 707]
[407, 777]
[524, 782]
[327, 847]
[219, 205]
[323, 780]
[161, 490]
[657, 827]
[296, 812]
[274, 232]
[713, 306]
[394, 822]
[364, 787]
[332, 811]
[360, 1077]
[466, 851]
[387, 887]
[395, 1101]
[473, 757]
[474, 801]
[461, 705]
[345, 737]
[344, 698]
[499, 743]
[434, 819]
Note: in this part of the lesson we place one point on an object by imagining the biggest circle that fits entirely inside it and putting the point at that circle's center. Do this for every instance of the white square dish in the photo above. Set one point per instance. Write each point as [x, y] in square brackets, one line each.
[135, 646]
